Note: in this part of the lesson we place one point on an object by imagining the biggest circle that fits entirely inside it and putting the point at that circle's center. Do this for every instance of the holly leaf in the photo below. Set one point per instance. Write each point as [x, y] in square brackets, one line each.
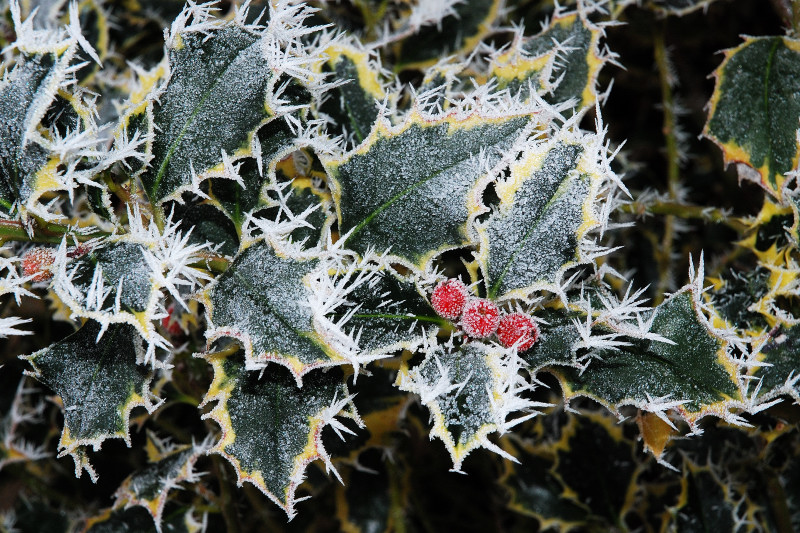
[150, 486]
[273, 301]
[470, 391]
[704, 500]
[455, 34]
[207, 225]
[364, 500]
[392, 315]
[39, 118]
[754, 109]
[418, 206]
[137, 519]
[546, 209]
[693, 373]
[561, 62]
[238, 199]
[98, 381]
[271, 429]
[224, 82]
[353, 106]
[536, 491]
[778, 354]
[598, 464]
[557, 344]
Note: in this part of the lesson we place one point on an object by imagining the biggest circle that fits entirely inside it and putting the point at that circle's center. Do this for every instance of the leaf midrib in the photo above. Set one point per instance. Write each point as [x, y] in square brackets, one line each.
[179, 138]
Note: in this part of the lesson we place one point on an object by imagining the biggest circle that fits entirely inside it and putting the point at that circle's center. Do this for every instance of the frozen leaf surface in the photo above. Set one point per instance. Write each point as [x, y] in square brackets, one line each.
[271, 429]
[755, 105]
[98, 382]
[545, 209]
[695, 369]
[417, 205]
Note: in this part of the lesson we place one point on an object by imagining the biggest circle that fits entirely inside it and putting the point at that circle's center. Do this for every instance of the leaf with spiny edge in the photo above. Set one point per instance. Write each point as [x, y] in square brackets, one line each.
[547, 206]
[219, 92]
[207, 225]
[678, 7]
[557, 342]
[150, 486]
[536, 491]
[418, 206]
[263, 300]
[304, 195]
[127, 279]
[353, 106]
[578, 58]
[736, 292]
[271, 429]
[456, 34]
[779, 352]
[98, 383]
[754, 108]
[695, 369]
[382, 407]
[468, 391]
[35, 104]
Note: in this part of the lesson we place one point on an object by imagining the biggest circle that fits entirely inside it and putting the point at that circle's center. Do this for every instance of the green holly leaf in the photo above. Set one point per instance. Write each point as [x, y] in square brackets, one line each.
[754, 109]
[561, 62]
[597, 463]
[98, 382]
[136, 519]
[546, 209]
[271, 429]
[679, 7]
[150, 486]
[38, 114]
[392, 314]
[364, 500]
[238, 199]
[123, 280]
[207, 225]
[419, 205]
[557, 343]
[305, 196]
[272, 299]
[694, 368]
[470, 392]
[779, 355]
[224, 82]
[353, 106]
[456, 34]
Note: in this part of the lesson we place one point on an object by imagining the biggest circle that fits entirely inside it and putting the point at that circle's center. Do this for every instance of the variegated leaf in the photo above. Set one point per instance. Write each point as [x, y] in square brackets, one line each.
[136, 519]
[38, 111]
[547, 205]
[271, 429]
[418, 205]
[150, 486]
[561, 62]
[273, 301]
[470, 392]
[780, 355]
[98, 381]
[456, 34]
[694, 368]
[755, 108]
[704, 500]
[223, 83]
[353, 106]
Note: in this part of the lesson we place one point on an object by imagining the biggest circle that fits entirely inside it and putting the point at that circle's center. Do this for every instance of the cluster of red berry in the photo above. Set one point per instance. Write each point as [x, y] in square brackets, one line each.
[481, 318]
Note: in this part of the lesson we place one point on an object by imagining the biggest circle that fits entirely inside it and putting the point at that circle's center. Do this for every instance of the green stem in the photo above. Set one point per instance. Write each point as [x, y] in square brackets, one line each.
[43, 232]
[679, 210]
[663, 253]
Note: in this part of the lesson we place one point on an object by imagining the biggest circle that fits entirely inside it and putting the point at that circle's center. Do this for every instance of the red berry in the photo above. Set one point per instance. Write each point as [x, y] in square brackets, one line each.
[481, 318]
[36, 263]
[449, 297]
[519, 329]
